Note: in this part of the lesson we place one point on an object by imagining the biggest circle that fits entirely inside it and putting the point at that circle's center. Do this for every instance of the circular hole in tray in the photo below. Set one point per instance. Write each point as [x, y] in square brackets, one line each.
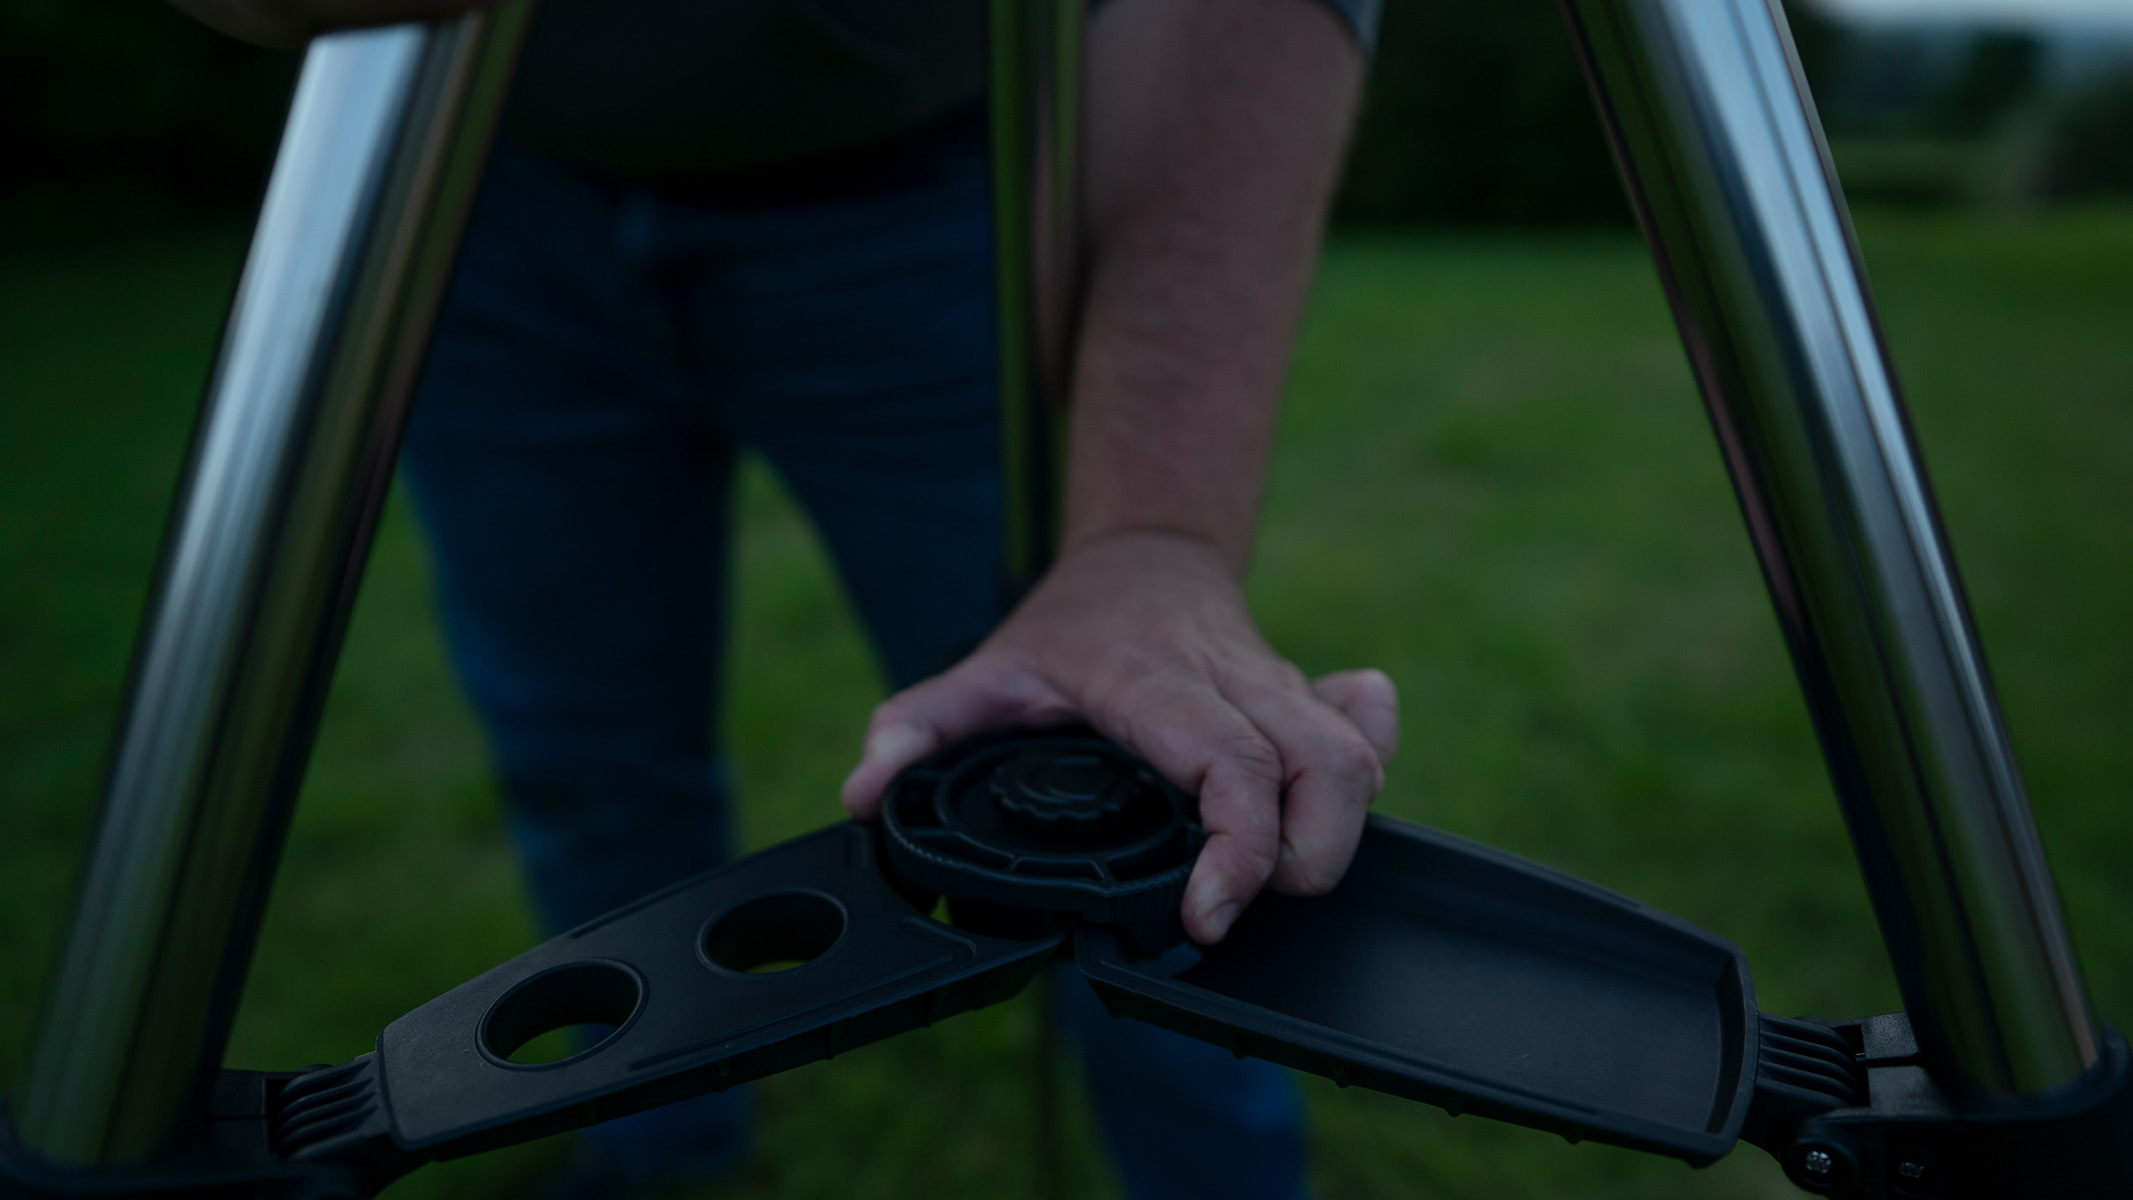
[772, 934]
[561, 1014]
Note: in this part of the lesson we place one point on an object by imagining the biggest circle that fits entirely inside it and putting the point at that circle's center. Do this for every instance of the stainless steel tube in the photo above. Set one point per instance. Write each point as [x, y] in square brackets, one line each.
[289, 466]
[1033, 98]
[1724, 159]
[1035, 102]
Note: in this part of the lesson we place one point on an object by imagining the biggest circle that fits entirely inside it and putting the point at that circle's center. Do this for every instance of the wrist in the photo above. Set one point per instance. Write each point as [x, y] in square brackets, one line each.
[1183, 546]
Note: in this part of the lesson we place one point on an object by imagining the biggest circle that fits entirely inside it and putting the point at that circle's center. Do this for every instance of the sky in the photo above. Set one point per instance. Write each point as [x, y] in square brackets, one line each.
[2113, 13]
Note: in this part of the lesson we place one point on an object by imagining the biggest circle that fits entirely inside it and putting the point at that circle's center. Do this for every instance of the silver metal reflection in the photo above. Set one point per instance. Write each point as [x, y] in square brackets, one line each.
[1033, 98]
[1724, 159]
[272, 524]
[1035, 102]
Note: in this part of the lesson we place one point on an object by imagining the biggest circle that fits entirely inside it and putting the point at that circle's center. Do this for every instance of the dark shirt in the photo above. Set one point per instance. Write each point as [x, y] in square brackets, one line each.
[732, 93]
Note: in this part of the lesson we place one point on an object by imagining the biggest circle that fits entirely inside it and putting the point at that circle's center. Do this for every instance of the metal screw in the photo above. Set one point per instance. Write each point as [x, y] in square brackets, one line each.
[1911, 1170]
[1817, 1162]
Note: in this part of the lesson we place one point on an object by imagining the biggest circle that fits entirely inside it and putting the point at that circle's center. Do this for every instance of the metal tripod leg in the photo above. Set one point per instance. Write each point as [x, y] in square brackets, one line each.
[1035, 101]
[1724, 159]
[1035, 52]
[288, 469]
[289, 466]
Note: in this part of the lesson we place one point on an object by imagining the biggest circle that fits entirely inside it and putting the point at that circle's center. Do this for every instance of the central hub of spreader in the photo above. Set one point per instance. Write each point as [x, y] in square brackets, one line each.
[1054, 821]
[1067, 794]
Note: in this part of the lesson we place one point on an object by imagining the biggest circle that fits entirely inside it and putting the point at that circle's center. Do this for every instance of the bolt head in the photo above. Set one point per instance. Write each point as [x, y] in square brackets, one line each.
[1822, 1166]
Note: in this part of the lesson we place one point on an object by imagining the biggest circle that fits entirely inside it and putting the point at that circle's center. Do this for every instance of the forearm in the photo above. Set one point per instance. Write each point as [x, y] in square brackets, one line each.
[1215, 129]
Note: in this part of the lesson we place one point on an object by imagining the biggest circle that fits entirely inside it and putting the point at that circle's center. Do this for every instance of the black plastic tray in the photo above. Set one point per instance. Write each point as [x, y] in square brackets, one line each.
[1458, 975]
[685, 1022]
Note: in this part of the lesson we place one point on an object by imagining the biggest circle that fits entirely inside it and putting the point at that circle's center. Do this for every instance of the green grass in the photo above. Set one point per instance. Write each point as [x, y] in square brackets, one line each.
[1494, 480]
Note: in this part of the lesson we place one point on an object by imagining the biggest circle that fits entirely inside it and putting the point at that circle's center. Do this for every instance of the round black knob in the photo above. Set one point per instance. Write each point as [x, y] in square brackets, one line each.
[1028, 822]
[1064, 793]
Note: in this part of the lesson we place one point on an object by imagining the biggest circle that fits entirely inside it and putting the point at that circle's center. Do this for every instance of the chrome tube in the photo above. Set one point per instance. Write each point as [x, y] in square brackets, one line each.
[1035, 112]
[1725, 162]
[288, 469]
[1033, 100]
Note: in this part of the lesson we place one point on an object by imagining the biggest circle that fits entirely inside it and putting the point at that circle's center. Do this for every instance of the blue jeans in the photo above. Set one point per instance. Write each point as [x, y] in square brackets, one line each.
[604, 352]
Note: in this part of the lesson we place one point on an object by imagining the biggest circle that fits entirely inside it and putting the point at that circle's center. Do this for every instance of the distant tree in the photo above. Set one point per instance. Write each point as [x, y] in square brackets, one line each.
[2092, 146]
[1477, 114]
[1821, 41]
[2001, 71]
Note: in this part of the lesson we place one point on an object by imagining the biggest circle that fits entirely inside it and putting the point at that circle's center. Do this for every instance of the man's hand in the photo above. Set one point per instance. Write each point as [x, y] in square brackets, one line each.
[1214, 133]
[1146, 637]
[294, 22]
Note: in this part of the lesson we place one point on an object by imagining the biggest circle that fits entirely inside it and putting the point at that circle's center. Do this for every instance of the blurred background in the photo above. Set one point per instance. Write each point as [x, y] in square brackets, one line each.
[1494, 480]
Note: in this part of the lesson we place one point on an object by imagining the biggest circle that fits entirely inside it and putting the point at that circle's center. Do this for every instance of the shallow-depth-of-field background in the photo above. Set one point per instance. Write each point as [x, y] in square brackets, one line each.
[1494, 480]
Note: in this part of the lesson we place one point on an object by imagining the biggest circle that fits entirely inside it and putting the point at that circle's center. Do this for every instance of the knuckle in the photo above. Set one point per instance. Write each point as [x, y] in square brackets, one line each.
[1290, 676]
[1256, 862]
[1116, 697]
[1255, 756]
[888, 713]
[1355, 766]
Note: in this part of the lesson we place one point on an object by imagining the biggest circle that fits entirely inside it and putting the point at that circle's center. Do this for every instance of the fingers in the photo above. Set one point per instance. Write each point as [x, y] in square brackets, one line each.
[986, 691]
[1285, 773]
[1239, 807]
[1331, 772]
[1370, 700]
[1285, 769]
[1200, 741]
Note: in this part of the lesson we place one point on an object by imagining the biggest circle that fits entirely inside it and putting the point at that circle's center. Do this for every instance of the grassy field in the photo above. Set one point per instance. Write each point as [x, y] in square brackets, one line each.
[1494, 481]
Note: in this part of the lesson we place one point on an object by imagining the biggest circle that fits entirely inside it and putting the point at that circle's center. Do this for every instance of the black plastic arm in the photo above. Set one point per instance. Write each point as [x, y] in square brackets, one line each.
[1440, 970]
[722, 979]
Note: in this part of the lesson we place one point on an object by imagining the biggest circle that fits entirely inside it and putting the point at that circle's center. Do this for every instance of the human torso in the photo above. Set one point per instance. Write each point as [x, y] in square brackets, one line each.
[707, 92]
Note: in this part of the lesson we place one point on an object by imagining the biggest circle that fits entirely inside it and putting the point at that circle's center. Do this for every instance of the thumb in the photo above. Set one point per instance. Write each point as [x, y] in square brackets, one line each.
[985, 691]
